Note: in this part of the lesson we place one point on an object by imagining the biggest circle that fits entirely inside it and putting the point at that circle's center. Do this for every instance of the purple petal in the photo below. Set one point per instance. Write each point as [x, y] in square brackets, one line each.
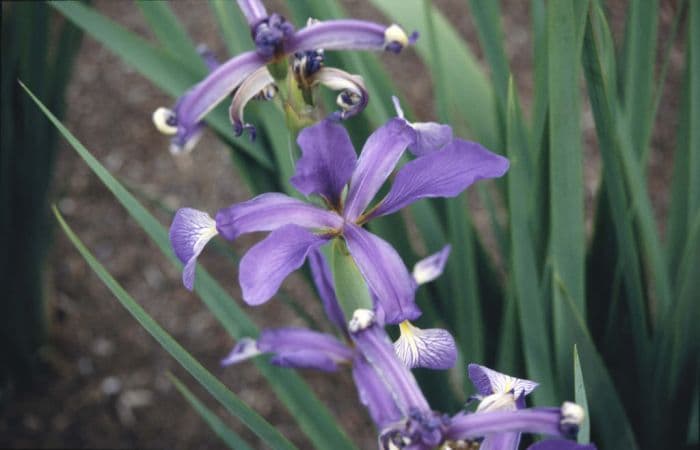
[258, 84]
[347, 34]
[267, 264]
[560, 444]
[208, 57]
[488, 382]
[444, 173]
[324, 285]
[431, 348]
[245, 349]
[353, 97]
[384, 272]
[374, 394]
[253, 10]
[293, 347]
[428, 269]
[430, 136]
[374, 345]
[535, 420]
[501, 441]
[327, 161]
[270, 211]
[379, 156]
[209, 92]
[189, 233]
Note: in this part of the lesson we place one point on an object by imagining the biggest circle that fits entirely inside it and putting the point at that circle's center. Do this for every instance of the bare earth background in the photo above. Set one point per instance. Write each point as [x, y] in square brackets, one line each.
[105, 383]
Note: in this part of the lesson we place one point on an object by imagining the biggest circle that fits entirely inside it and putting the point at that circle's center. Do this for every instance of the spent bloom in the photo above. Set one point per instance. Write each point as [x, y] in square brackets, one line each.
[250, 74]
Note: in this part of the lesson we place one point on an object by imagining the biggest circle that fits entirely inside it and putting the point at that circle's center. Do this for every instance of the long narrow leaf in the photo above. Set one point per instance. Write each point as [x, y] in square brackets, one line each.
[584, 433]
[313, 417]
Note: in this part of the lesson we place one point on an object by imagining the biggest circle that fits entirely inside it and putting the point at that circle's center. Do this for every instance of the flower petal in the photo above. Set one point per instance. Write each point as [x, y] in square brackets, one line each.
[384, 272]
[324, 285]
[488, 381]
[379, 156]
[327, 161]
[253, 10]
[431, 348]
[353, 97]
[293, 347]
[267, 264]
[444, 173]
[374, 394]
[209, 92]
[501, 441]
[258, 85]
[189, 233]
[430, 136]
[428, 269]
[270, 211]
[348, 34]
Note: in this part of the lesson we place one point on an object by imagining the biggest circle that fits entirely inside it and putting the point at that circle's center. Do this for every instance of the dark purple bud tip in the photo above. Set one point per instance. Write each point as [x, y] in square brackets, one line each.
[413, 37]
[239, 129]
[394, 47]
[270, 33]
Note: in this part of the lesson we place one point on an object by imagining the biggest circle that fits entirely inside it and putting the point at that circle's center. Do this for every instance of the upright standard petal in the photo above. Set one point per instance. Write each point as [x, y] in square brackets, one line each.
[432, 348]
[253, 10]
[428, 269]
[189, 233]
[384, 272]
[488, 382]
[270, 211]
[267, 264]
[444, 173]
[293, 347]
[208, 93]
[327, 161]
[348, 34]
[379, 156]
[323, 280]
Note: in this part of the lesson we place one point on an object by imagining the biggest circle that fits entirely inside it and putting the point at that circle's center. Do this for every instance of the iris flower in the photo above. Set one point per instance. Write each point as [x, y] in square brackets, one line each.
[275, 40]
[330, 169]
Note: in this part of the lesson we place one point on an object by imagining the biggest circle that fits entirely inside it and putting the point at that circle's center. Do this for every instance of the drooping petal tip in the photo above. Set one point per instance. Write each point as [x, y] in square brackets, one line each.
[189, 233]
[245, 349]
[428, 269]
[488, 381]
[395, 38]
[432, 348]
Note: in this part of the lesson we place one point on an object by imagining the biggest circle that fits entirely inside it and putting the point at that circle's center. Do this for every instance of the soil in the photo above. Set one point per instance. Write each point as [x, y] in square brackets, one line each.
[105, 382]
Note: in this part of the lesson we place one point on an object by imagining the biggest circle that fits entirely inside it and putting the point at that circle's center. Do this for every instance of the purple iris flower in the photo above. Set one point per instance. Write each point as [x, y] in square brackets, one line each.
[275, 39]
[329, 164]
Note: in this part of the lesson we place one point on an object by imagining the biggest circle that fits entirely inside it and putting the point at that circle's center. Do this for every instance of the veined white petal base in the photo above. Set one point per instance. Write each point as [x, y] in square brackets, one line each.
[432, 348]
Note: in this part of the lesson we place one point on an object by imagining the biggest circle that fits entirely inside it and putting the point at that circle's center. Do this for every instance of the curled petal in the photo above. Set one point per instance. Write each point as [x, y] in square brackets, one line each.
[379, 156]
[270, 211]
[354, 96]
[189, 233]
[267, 264]
[488, 381]
[432, 348]
[444, 173]
[428, 269]
[258, 85]
[253, 10]
[384, 272]
[327, 161]
[245, 349]
[205, 95]
[549, 421]
[348, 34]
[430, 136]
[324, 285]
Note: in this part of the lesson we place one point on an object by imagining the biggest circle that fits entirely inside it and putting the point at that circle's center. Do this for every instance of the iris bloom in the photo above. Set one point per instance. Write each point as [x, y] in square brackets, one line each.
[275, 39]
[329, 164]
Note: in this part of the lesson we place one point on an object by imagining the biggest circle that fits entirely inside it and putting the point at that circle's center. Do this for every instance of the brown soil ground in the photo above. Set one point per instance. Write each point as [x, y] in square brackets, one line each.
[105, 385]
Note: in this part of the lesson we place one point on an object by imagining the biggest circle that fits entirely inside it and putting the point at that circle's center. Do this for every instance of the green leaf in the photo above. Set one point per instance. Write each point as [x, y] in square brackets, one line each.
[230, 401]
[526, 289]
[230, 437]
[171, 34]
[567, 236]
[155, 64]
[584, 433]
[313, 417]
[350, 287]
